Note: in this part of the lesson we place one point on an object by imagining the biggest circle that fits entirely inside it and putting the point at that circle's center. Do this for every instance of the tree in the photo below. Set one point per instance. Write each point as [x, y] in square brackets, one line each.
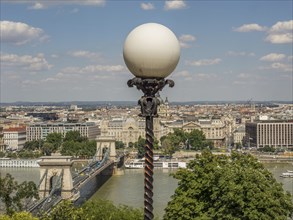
[234, 187]
[93, 210]
[16, 196]
[74, 136]
[167, 147]
[48, 149]
[33, 145]
[156, 144]
[74, 148]
[19, 216]
[119, 145]
[197, 140]
[55, 139]
[2, 154]
[140, 147]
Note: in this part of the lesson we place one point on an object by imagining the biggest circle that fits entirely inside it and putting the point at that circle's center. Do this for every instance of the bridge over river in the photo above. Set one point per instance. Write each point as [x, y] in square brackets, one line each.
[57, 181]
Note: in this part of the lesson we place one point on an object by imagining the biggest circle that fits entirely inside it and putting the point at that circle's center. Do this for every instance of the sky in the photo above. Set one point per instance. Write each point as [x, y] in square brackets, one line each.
[73, 50]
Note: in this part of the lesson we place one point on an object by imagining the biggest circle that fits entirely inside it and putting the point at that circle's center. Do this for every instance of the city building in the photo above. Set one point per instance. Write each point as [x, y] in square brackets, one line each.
[41, 130]
[270, 133]
[2, 146]
[128, 130]
[213, 129]
[14, 137]
[238, 135]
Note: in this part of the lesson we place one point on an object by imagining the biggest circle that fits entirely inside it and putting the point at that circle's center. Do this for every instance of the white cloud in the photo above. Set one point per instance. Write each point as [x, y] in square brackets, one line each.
[147, 6]
[184, 39]
[44, 4]
[86, 54]
[20, 33]
[204, 62]
[283, 67]
[250, 27]
[279, 33]
[174, 4]
[282, 26]
[244, 76]
[25, 62]
[187, 38]
[93, 69]
[205, 76]
[240, 53]
[280, 38]
[183, 75]
[38, 6]
[272, 57]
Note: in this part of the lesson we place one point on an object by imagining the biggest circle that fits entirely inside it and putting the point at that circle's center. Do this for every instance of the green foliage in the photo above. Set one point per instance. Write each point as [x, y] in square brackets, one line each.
[19, 216]
[28, 154]
[2, 154]
[267, 149]
[48, 148]
[16, 196]
[221, 187]
[197, 140]
[64, 211]
[140, 147]
[74, 136]
[84, 149]
[194, 140]
[167, 147]
[55, 139]
[119, 145]
[93, 210]
[156, 144]
[106, 210]
[12, 155]
[33, 145]
[238, 145]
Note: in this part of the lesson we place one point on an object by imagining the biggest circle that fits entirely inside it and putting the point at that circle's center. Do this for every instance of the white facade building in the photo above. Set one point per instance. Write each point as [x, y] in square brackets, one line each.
[41, 130]
[14, 138]
[270, 133]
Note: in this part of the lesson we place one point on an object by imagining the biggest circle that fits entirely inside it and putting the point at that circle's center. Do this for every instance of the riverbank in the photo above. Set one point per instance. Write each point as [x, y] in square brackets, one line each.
[262, 157]
[30, 163]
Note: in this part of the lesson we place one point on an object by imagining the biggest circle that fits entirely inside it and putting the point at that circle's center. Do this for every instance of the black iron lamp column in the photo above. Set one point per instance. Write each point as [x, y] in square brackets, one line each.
[151, 52]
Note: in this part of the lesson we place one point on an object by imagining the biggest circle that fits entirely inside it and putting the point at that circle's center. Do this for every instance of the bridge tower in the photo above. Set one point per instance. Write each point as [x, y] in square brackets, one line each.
[55, 174]
[103, 144]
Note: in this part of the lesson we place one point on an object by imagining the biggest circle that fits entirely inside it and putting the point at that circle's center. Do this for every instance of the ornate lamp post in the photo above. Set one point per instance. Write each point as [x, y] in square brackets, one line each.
[151, 52]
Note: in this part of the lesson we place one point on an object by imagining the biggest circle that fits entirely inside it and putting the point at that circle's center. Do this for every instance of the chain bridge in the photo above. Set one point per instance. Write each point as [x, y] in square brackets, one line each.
[58, 182]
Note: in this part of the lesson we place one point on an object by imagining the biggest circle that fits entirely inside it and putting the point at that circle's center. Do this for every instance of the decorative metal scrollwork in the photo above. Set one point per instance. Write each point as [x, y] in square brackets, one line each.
[149, 102]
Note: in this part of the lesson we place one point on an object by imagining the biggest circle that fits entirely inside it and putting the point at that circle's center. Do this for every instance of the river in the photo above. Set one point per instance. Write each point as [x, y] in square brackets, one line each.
[128, 189]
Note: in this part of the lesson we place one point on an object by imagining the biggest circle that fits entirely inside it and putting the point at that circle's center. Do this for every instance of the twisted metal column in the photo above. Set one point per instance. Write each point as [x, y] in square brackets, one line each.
[149, 104]
[148, 169]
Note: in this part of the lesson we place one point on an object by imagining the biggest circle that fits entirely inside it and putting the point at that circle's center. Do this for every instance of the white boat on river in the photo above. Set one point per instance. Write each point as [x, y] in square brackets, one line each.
[139, 164]
[288, 174]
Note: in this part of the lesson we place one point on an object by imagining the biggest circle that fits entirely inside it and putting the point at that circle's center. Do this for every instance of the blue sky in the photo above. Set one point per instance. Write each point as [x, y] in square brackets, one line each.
[72, 50]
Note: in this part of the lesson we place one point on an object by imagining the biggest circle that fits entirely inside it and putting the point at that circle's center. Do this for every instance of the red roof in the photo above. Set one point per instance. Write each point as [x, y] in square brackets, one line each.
[17, 129]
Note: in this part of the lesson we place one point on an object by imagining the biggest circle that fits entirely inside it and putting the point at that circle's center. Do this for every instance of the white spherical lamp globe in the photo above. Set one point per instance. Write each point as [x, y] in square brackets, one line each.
[151, 51]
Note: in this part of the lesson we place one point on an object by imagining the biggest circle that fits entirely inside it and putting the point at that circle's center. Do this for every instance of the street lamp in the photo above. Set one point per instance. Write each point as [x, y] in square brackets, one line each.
[151, 52]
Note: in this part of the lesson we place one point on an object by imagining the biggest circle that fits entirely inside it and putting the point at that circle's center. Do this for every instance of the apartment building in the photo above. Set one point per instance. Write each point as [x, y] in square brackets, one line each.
[270, 133]
[41, 130]
[14, 138]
